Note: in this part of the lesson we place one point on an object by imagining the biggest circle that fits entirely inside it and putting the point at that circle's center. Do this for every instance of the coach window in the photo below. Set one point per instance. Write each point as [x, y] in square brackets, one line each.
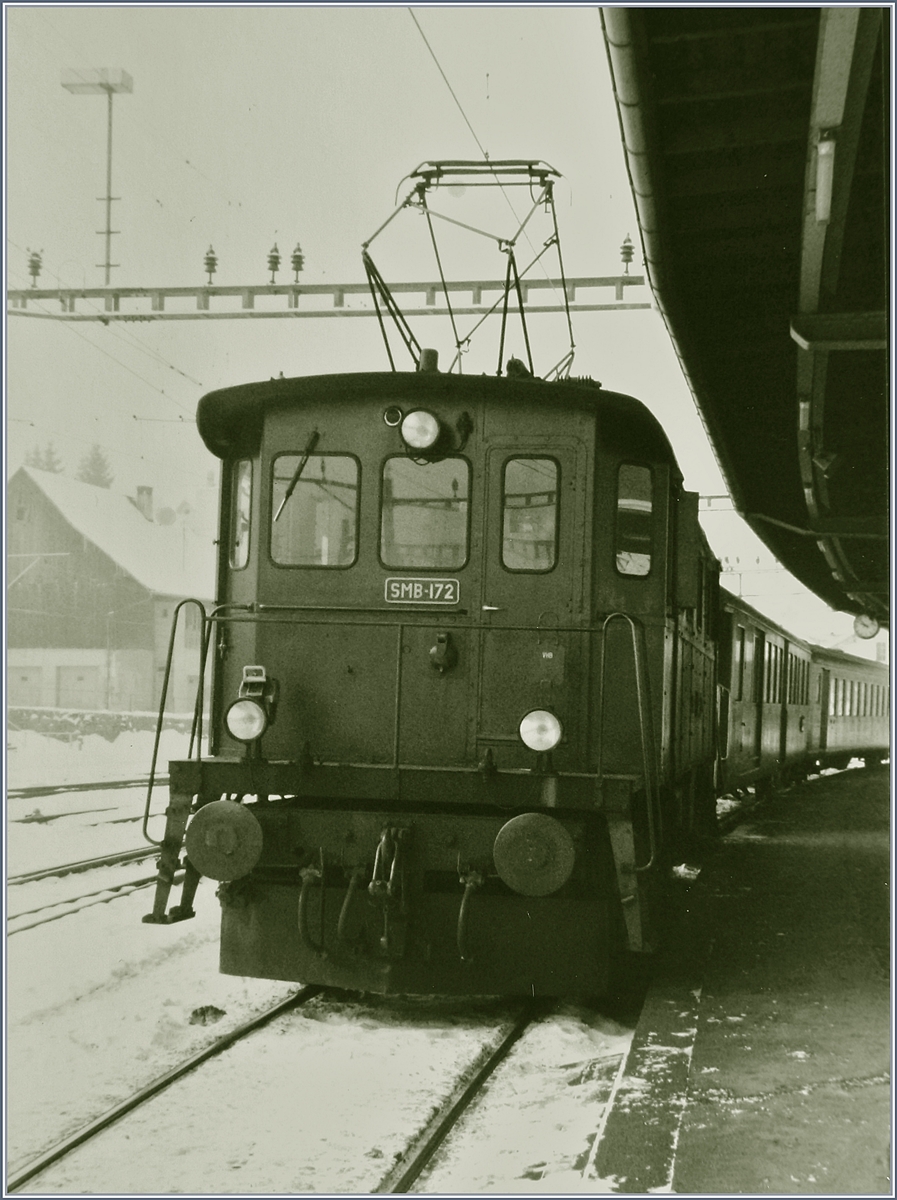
[424, 511]
[738, 665]
[529, 514]
[634, 543]
[240, 510]
[314, 510]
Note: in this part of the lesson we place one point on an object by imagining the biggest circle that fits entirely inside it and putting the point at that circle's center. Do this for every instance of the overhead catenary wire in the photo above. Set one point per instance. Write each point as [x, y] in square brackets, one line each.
[448, 85]
[127, 338]
[503, 243]
[124, 366]
[473, 132]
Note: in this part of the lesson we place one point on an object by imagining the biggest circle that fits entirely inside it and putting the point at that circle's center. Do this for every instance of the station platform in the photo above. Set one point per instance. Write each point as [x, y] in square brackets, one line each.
[761, 1063]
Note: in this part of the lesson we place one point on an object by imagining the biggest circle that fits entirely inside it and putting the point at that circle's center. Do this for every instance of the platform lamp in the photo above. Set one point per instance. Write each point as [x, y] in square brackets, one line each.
[98, 81]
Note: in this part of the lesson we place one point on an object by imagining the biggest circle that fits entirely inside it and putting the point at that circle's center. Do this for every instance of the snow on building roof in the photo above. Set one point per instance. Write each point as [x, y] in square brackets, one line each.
[167, 559]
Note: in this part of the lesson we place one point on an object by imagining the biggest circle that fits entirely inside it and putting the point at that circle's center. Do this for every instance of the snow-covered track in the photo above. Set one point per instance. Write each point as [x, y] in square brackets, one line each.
[63, 789]
[85, 864]
[57, 909]
[422, 1150]
[96, 1127]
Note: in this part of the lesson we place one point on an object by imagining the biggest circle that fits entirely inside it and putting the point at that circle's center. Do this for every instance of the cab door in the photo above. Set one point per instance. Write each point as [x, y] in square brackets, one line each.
[532, 602]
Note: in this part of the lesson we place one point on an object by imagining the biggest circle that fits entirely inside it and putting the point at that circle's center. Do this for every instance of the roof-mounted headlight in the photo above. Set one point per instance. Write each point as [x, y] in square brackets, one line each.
[420, 430]
[540, 730]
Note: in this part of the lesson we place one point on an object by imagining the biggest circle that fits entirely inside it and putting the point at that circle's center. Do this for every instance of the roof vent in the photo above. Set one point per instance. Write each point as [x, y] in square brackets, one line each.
[429, 360]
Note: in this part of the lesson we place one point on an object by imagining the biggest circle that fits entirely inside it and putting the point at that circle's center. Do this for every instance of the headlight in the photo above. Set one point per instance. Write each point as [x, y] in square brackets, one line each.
[540, 730]
[420, 430]
[246, 721]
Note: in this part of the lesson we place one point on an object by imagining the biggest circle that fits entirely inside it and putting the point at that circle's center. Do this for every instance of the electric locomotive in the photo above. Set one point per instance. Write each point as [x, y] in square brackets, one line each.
[475, 688]
[463, 712]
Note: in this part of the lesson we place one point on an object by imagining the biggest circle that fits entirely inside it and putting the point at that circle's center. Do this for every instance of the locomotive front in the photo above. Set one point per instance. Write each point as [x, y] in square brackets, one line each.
[432, 766]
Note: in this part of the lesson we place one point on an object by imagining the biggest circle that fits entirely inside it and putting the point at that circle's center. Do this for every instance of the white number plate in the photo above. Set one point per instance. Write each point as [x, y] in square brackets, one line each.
[422, 591]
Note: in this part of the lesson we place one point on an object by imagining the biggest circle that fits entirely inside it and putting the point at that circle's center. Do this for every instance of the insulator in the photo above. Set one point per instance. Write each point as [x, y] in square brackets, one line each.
[211, 263]
[273, 261]
[35, 262]
[297, 261]
[626, 252]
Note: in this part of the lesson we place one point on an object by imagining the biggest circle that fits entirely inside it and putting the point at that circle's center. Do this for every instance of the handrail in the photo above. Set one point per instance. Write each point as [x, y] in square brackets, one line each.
[646, 730]
[205, 629]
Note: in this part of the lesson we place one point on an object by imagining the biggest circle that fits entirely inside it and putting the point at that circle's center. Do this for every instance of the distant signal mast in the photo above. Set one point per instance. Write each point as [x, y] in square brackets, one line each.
[101, 81]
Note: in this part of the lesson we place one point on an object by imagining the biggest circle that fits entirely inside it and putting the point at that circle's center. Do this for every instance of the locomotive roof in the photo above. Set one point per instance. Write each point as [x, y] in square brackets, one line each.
[230, 419]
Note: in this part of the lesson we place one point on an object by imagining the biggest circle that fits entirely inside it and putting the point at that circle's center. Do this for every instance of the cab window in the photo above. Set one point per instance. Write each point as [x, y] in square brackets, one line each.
[314, 510]
[240, 511]
[634, 532]
[529, 514]
[423, 514]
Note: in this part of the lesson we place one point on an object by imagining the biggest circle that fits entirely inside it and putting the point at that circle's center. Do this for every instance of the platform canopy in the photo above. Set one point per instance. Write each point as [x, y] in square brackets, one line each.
[757, 142]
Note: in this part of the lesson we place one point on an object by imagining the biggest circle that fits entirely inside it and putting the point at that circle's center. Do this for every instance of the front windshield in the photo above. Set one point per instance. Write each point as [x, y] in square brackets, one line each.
[424, 513]
[317, 526]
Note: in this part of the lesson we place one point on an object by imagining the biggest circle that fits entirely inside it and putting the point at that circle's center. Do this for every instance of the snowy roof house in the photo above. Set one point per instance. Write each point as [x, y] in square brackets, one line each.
[168, 560]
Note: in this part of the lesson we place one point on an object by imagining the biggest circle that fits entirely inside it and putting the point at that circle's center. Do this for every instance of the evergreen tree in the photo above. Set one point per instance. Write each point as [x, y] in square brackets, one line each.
[95, 468]
[51, 460]
[44, 461]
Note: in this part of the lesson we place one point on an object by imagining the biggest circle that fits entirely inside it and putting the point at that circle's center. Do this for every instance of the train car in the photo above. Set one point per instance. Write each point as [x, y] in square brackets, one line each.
[852, 709]
[463, 717]
[787, 707]
[766, 715]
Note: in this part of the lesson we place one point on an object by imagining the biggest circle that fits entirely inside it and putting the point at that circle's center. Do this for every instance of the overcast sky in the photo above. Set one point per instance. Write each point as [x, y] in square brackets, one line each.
[254, 125]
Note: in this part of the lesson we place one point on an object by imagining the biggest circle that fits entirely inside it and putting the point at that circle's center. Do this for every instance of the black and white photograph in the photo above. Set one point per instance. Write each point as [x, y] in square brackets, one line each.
[447, 620]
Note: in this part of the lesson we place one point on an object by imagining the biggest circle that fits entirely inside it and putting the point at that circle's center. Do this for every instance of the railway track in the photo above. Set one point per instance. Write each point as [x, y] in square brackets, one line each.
[54, 910]
[422, 1149]
[64, 789]
[19, 1178]
[425, 1146]
[84, 864]
[57, 909]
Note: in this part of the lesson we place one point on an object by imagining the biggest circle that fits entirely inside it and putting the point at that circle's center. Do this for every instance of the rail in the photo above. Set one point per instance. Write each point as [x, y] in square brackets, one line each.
[422, 1150]
[56, 910]
[64, 789]
[19, 1178]
[83, 864]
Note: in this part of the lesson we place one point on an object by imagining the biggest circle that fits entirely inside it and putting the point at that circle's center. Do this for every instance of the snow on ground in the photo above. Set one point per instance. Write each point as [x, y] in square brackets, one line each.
[325, 1098]
[53, 830]
[99, 1004]
[46, 831]
[533, 1128]
[35, 760]
[322, 1100]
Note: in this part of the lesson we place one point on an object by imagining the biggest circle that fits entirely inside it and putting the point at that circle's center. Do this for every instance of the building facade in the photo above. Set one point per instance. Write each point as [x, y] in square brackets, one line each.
[92, 585]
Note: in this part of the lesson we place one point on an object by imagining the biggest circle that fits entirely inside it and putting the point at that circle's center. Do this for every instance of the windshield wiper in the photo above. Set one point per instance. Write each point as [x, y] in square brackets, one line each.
[312, 442]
